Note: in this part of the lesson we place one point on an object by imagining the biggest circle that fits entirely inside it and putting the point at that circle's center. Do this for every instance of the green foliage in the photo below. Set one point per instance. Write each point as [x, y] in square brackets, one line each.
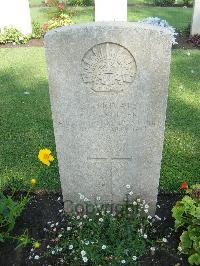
[23, 240]
[12, 35]
[185, 31]
[81, 2]
[187, 216]
[163, 2]
[9, 211]
[103, 236]
[187, 2]
[58, 21]
[37, 31]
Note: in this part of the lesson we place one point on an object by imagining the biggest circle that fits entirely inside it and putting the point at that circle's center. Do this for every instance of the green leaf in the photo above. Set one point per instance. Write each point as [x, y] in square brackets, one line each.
[194, 259]
[186, 242]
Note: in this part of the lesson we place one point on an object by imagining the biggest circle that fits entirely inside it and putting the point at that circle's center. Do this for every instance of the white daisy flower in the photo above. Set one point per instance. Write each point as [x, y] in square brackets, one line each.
[71, 247]
[86, 199]
[131, 193]
[36, 257]
[123, 261]
[134, 203]
[157, 217]
[134, 258]
[164, 239]
[128, 186]
[85, 259]
[83, 253]
[101, 220]
[103, 247]
[145, 236]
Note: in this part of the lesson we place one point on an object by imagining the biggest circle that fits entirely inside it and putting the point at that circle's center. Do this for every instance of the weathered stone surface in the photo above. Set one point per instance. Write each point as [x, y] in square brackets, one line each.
[15, 14]
[110, 10]
[108, 88]
[196, 18]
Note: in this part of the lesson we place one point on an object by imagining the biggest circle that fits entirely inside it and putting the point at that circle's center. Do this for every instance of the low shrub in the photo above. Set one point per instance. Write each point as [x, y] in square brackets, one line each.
[12, 35]
[187, 218]
[37, 31]
[81, 2]
[58, 21]
[163, 2]
[188, 3]
[10, 210]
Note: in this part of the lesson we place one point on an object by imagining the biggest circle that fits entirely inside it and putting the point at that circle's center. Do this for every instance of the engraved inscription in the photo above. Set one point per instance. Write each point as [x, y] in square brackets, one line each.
[108, 67]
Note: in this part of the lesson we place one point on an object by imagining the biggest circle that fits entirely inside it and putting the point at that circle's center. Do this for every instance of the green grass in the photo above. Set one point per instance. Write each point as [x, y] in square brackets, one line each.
[26, 124]
[40, 14]
[35, 2]
[178, 17]
[181, 157]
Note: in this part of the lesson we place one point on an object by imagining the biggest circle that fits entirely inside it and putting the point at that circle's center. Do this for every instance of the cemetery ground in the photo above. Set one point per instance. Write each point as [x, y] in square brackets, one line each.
[26, 127]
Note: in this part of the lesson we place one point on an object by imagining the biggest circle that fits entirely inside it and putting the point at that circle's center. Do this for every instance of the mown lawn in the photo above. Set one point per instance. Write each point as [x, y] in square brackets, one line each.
[176, 16]
[26, 124]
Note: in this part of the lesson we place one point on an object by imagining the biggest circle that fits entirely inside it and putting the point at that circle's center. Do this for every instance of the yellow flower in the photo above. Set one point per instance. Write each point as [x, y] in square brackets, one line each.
[36, 244]
[45, 156]
[33, 181]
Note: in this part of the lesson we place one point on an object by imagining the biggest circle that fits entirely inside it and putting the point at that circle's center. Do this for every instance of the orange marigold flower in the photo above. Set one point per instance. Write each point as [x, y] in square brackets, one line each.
[45, 26]
[184, 185]
[61, 6]
[45, 156]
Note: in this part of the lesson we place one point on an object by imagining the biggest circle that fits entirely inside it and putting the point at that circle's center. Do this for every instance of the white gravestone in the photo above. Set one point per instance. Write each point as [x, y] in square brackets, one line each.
[196, 18]
[110, 10]
[16, 14]
[108, 87]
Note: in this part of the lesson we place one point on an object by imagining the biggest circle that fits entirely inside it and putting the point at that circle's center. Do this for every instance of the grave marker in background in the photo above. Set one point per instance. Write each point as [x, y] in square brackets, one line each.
[15, 14]
[196, 18]
[110, 10]
[108, 87]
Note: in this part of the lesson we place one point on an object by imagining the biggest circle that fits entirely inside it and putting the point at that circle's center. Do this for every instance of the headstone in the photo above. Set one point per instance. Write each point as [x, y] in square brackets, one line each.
[196, 18]
[15, 14]
[110, 10]
[108, 87]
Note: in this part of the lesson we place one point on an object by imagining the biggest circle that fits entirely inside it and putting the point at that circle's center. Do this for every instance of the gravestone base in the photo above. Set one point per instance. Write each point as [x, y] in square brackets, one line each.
[108, 88]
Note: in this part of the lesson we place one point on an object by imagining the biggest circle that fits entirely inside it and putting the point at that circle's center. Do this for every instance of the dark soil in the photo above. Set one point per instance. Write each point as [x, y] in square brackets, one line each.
[183, 43]
[31, 43]
[45, 207]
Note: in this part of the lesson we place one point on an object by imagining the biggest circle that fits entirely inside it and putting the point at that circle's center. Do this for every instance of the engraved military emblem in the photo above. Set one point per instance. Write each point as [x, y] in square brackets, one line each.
[108, 67]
